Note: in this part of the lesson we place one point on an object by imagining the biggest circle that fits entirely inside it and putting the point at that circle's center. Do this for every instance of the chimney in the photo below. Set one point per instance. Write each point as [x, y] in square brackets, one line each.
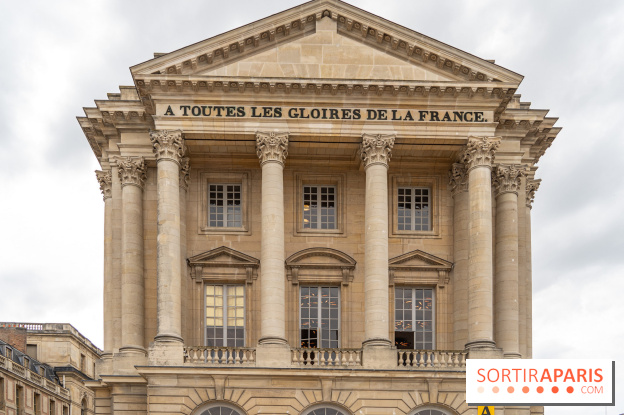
[15, 336]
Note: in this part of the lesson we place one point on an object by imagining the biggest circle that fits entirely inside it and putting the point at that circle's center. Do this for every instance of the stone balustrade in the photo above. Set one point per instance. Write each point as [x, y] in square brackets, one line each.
[220, 356]
[31, 376]
[432, 359]
[326, 357]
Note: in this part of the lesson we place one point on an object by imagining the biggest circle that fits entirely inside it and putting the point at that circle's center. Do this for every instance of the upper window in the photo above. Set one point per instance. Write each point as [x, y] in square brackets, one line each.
[413, 209]
[219, 409]
[413, 318]
[319, 207]
[323, 410]
[320, 317]
[224, 204]
[225, 315]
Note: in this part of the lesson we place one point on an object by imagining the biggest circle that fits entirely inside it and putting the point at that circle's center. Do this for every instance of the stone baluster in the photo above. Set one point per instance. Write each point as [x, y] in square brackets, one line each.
[376, 151]
[272, 150]
[169, 149]
[506, 181]
[459, 190]
[132, 175]
[478, 157]
[105, 180]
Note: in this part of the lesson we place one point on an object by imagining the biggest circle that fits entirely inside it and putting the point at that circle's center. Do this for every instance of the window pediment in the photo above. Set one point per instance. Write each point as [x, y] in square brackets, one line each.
[224, 263]
[320, 265]
[418, 267]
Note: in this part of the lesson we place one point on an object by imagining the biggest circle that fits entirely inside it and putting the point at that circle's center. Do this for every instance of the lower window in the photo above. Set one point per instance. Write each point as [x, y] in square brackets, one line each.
[320, 316]
[414, 318]
[225, 315]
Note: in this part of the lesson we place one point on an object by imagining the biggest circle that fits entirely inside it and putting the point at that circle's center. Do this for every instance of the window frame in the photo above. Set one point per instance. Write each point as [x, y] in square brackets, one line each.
[335, 180]
[338, 319]
[433, 320]
[402, 181]
[225, 306]
[225, 178]
[319, 215]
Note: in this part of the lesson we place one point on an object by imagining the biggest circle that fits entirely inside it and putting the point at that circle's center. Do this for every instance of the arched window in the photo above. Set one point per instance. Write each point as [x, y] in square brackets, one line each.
[430, 411]
[83, 407]
[219, 409]
[324, 410]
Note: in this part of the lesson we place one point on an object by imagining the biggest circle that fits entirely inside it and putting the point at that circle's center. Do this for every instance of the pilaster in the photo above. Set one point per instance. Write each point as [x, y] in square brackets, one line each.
[532, 186]
[105, 180]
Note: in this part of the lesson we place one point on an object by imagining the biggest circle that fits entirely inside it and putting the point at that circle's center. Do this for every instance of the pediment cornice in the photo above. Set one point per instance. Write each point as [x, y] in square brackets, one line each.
[351, 21]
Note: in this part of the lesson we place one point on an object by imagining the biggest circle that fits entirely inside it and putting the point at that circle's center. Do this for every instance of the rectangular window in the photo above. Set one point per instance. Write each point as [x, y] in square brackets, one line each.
[224, 206]
[65, 410]
[19, 397]
[1, 393]
[320, 317]
[52, 407]
[31, 350]
[319, 207]
[37, 403]
[413, 210]
[413, 318]
[83, 363]
[225, 315]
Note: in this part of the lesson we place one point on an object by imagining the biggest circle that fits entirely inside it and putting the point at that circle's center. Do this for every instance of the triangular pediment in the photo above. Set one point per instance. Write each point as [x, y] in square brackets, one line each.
[223, 256]
[419, 260]
[326, 39]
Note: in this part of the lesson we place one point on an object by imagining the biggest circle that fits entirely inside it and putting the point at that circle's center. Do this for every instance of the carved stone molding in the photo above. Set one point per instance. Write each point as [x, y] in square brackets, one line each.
[376, 149]
[320, 265]
[185, 172]
[531, 187]
[132, 171]
[480, 151]
[105, 178]
[168, 144]
[271, 147]
[458, 179]
[418, 267]
[506, 178]
[223, 263]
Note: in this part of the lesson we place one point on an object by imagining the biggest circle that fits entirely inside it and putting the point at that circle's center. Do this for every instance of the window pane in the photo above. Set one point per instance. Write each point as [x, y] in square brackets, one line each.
[224, 206]
[222, 331]
[414, 314]
[413, 209]
[323, 302]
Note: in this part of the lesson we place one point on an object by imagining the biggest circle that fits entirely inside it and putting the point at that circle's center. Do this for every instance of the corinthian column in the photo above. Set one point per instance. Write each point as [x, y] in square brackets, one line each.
[132, 176]
[185, 168]
[531, 187]
[478, 157]
[459, 190]
[169, 149]
[272, 150]
[105, 180]
[506, 181]
[376, 151]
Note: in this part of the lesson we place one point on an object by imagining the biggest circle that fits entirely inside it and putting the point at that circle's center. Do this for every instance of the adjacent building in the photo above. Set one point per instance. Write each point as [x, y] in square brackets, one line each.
[321, 212]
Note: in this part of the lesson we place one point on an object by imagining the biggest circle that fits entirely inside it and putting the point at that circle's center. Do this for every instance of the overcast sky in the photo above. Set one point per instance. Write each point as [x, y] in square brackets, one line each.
[57, 57]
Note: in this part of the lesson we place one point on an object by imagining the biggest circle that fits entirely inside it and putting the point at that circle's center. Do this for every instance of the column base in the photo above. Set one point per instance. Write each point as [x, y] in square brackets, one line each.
[480, 344]
[377, 342]
[128, 357]
[512, 355]
[272, 340]
[132, 350]
[274, 355]
[165, 337]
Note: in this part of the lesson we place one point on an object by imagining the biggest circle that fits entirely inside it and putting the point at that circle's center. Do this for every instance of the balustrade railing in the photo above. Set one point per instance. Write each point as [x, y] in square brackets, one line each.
[220, 355]
[326, 357]
[432, 359]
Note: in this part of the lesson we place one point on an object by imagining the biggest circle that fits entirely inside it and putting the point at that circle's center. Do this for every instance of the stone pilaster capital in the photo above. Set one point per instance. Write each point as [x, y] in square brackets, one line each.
[458, 179]
[105, 178]
[185, 171]
[506, 178]
[479, 152]
[376, 149]
[271, 147]
[168, 144]
[132, 171]
[531, 187]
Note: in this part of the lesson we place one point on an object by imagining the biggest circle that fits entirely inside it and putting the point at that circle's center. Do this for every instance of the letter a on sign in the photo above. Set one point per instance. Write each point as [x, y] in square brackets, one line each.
[485, 410]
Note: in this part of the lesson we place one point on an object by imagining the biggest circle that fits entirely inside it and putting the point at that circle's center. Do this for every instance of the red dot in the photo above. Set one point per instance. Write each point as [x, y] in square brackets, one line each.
[495, 389]
[510, 389]
[525, 389]
[555, 389]
[540, 389]
[570, 389]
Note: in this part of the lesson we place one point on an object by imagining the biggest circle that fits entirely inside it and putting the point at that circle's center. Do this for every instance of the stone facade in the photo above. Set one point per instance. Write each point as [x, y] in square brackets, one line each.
[318, 210]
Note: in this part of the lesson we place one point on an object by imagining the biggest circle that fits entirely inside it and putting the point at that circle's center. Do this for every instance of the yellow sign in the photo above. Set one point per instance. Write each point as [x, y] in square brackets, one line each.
[485, 410]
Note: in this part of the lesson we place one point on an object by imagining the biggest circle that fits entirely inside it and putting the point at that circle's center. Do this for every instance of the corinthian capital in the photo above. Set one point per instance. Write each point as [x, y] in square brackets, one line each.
[168, 144]
[185, 171]
[271, 147]
[458, 179]
[480, 151]
[132, 171]
[105, 178]
[506, 178]
[376, 149]
[531, 187]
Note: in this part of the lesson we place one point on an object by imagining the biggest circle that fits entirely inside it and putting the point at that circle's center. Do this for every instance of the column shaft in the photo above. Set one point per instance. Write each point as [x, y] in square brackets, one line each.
[522, 295]
[105, 180]
[461, 217]
[184, 177]
[272, 150]
[531, 187]
[116, 257]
